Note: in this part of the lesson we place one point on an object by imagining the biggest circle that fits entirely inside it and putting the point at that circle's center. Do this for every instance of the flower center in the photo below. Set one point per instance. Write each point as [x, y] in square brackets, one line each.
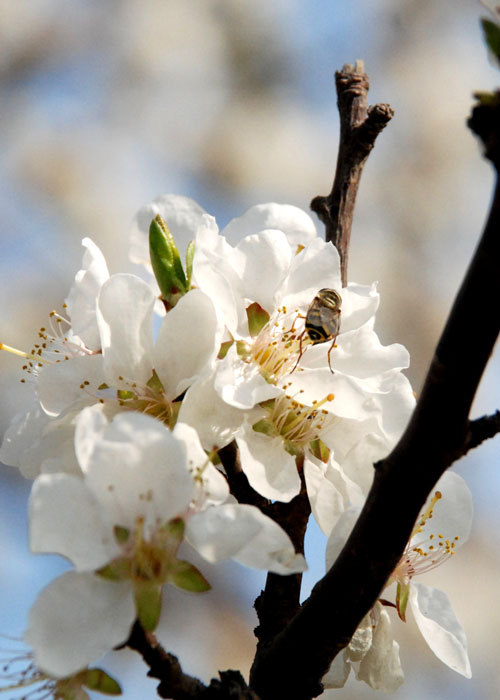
[278, 346]
[146, 556]
[427, 553]
[297, 424]
[147, 398]
[55, 344]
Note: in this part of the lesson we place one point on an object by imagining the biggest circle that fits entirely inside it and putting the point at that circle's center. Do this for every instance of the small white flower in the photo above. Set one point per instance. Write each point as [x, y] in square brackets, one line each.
[114, 360]
[443, 525]
[144, 489]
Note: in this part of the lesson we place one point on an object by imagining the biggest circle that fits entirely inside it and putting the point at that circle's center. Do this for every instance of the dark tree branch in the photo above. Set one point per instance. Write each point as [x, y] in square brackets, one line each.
[237, 479]
[359, 127]
[436, 436]
[482, 429]
[280, 600]
[174, 683]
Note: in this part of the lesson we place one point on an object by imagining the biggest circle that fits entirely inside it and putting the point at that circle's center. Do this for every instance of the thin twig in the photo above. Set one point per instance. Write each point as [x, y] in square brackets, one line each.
[359, 127]
[174, 683]
[482, 429]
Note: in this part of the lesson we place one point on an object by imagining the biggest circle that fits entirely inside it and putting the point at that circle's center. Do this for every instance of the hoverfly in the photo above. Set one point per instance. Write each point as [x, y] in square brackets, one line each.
[322, 321]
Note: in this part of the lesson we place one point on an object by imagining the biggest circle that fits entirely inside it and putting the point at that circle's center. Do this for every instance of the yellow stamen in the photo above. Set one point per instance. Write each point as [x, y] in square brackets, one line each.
[21, 353]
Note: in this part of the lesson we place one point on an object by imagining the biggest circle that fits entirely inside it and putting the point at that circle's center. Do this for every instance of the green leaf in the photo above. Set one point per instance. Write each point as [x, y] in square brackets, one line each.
[166, 262]
[257, 318]
[187, 577]
[491, 32]
[148, 604]
[402, 597]
[99, 680]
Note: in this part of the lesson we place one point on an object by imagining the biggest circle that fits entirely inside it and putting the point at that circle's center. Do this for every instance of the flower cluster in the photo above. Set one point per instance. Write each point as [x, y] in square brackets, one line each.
[143, 380]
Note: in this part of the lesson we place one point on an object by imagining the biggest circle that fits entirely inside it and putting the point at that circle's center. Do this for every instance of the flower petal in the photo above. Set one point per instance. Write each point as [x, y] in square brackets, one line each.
[315, 267]
[187, 344]
[243, 533]
[215, 267]
[240, 384]
[294, 222]
[452, 514]
[65, 519]
[62, 384]
[381, 667]
[439, 627]
[216, 421]
[215, 488]
[82, 298]
[269, 468]
[266, 257]
[76, 619]
[338, 673]
[330, 491]
[134, 466]
[125, 318]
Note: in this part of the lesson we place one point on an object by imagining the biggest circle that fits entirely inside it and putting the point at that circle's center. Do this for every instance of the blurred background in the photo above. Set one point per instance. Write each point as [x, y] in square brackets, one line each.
[105, 105]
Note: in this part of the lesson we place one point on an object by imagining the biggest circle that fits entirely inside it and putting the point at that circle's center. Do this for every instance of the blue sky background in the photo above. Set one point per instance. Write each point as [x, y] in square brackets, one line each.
[107, 105]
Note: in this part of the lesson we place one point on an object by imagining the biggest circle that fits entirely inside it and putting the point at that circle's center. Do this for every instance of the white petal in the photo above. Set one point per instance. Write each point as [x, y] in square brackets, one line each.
[23, 432]
[187, 344]
[240, 384]
[216, 421]
[61, 384]
[359, 461]
[82, 299]
[215, 487]
[183, 216]
[125, 318]
[136, 468]
[359, 304]
[317, 266]
[296, 224]
[76, 619]
[270, 469]
[215, 272]
[452, 514]
[266, 258]
[337, 674]
[439, 627]
[361, 354]
[330, 491]
[381, 667]
[243, 533]
[339, 534]
[65, 519]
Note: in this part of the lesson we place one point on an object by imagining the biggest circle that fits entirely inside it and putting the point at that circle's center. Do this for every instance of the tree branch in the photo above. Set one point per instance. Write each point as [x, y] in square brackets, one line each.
[359, 127]
[239, 485]
[294, 663]
[280, 600]
[482, 429]
[174, 683]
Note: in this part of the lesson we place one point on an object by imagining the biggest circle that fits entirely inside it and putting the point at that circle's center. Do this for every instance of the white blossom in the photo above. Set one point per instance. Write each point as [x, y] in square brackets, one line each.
[144, 489]
[442, 527]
